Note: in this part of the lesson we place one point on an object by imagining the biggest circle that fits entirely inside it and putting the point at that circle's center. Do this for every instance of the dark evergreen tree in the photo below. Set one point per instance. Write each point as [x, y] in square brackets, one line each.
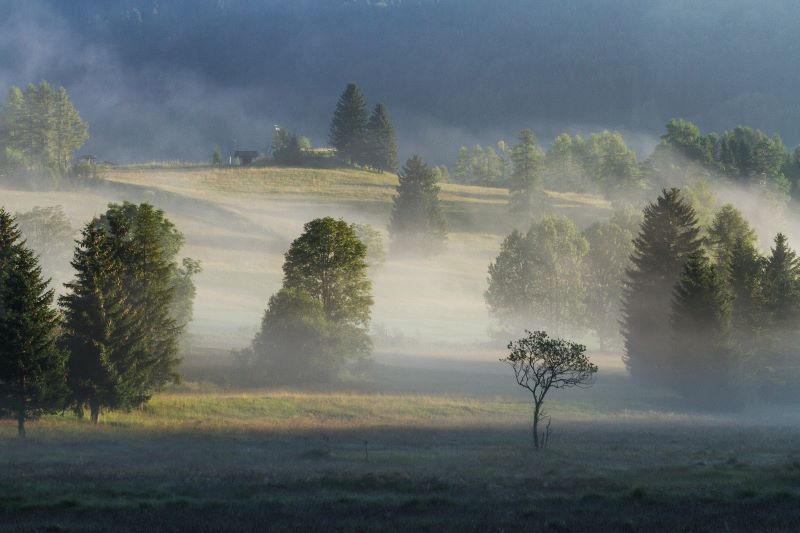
[745, 277]
[286, 148]
[102, 331]
[417, 222]
[669, 233]
[781, 286]
[144, 243]
[349, 125]
[381, 146]
[32, 366]
[702, 366]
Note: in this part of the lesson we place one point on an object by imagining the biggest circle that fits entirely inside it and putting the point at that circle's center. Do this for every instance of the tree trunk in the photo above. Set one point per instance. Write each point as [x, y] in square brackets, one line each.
[21, 425]
[95, 409]
[536, 426]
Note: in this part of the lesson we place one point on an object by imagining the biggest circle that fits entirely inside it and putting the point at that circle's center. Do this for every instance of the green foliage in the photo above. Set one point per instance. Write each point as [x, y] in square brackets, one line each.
[538, 278]
[145, 243]
[743, 155]
[417, 223]
[669, 234]
[286, 148]
[329, 262]
[294, 345]
[610, 247]
[32, 366]
[728, 230]
[703, 367]
[318, 321]
[42, 129]
[526, 181]
[541, 363]
[48, 232]
[610, 164]
[349, 124]
[381, 142]
[373, 240]
[216, 158]
[103, 330]
[565, 164]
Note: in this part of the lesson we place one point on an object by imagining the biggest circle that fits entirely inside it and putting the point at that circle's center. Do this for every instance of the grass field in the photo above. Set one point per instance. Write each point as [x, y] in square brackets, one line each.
[436, 440]
[350, 462]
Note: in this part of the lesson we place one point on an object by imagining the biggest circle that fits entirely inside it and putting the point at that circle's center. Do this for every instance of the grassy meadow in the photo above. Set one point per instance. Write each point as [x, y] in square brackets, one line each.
[437, 439]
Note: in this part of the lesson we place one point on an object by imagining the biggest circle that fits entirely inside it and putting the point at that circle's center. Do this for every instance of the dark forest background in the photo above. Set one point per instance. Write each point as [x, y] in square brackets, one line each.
[162, 79]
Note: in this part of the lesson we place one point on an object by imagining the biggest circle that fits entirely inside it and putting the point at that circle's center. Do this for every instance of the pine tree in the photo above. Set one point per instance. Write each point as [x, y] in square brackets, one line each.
[526, 182]
[669, 233]
[417, 222]
[381, 141]
[703, 366]
[101, 330]
[349, 124]
[781, 286]
[32, 367]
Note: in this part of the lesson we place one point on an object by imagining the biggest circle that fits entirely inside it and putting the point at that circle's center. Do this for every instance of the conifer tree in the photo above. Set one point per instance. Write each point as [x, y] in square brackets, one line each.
[702, 366]
[781, 286]
[349, 124]
[32, 367]
[745, 273]
[669, 233]
[526, 182]
[381, 141]
[727, 229]
[144, 243]
[102, 330]
[417, 222]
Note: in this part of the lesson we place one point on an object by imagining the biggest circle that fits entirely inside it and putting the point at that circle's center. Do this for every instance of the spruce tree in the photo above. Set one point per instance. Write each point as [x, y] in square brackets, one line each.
[417, 222]
[781, 285]
[702, 364]
[144, 243]
[381, 153]
[102, 330]
[32, 366]
[745, 273]
[526, 183]
[349, 124]
[728, 228]
[669, 233]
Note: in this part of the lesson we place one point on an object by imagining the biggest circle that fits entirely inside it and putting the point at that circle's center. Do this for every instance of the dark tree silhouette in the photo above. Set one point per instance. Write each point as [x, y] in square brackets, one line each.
[541, 364]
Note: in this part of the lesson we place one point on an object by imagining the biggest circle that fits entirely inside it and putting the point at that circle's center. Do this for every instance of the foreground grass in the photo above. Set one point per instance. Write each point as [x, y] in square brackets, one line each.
[312, 461]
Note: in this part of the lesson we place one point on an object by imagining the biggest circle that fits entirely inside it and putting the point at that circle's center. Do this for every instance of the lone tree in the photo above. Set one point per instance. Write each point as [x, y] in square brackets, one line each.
[32, 367]
[349, 125]
[381, 149]
[540, 364]
[417, 220]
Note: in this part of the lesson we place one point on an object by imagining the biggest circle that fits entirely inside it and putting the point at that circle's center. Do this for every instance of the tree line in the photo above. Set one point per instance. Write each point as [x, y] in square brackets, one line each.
[711, 317]
[40, 130]
[112, 340]
[702, 311]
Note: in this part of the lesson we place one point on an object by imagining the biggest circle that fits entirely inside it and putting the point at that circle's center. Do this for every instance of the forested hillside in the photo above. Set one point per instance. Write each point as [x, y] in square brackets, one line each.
[171, 78]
